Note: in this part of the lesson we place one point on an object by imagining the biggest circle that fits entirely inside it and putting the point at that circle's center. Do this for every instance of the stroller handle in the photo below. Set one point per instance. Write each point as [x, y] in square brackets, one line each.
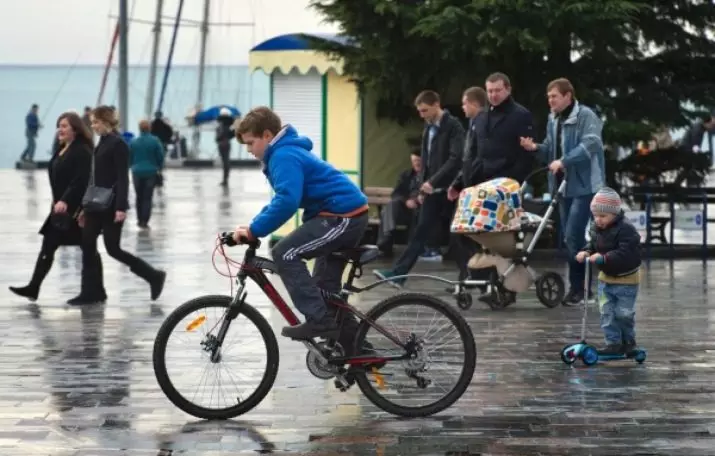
[537, 171]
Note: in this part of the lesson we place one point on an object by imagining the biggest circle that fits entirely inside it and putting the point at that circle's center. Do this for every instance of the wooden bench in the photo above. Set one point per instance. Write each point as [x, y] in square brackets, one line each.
[647, 197]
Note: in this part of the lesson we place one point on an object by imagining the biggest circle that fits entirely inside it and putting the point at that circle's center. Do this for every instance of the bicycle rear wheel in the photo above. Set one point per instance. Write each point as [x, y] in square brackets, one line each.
[257, 358]
[436, 328]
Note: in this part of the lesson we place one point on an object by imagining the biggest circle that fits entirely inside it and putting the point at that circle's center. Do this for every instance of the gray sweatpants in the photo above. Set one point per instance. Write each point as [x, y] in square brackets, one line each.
[316, 238]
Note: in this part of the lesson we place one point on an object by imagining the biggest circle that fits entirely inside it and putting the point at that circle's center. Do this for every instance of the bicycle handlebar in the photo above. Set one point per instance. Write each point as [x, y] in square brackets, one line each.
[226, 238]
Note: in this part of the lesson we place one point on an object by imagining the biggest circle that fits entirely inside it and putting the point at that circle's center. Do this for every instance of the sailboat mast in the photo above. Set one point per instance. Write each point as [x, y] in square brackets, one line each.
[202, 65]
[123, 65]
[149, 103]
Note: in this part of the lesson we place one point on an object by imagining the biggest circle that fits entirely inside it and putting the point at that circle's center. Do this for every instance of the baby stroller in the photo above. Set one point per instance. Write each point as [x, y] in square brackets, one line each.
[492, 214]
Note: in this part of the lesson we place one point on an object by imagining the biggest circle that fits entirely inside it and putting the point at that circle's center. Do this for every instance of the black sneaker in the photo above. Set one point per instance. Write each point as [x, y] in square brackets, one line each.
[325, 327]
[573, 298]
[630, 348]
[611, 349]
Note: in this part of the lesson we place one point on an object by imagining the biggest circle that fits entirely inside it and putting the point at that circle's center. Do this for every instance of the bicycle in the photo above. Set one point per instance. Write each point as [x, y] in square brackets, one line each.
[328, 358]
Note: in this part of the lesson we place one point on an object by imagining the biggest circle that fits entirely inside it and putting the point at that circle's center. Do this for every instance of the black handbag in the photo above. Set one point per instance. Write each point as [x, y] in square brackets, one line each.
[61, 221]
[97, 199]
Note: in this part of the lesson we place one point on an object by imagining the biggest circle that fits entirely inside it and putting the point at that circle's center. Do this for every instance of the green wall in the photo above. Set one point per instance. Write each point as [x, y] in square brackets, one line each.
[385, 150]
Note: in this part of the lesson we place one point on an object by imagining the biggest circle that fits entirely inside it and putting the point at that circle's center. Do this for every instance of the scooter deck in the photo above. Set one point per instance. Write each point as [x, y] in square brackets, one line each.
[621, 356]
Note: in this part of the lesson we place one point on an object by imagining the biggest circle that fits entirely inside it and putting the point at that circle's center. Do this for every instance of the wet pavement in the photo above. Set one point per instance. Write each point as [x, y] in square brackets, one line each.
[80, 381]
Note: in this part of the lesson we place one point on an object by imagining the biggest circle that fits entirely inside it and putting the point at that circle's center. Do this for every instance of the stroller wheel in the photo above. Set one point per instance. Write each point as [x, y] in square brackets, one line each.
[464, 301]
[550, 289]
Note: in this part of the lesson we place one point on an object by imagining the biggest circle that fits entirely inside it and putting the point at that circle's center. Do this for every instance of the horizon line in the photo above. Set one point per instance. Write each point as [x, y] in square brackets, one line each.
[131, 65]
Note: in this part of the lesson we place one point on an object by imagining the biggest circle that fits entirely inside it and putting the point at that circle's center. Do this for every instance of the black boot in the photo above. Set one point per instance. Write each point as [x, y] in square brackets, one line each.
[92, 288]
[42, 267]
[154, 277]
[101, 293]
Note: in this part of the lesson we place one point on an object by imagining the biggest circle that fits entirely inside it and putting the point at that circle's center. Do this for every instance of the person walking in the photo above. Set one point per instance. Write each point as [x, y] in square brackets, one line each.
[105, 208]
[224, 136]
[69, 170]
[442, 145]
[32, 127]
[147, 160]
[573, 144]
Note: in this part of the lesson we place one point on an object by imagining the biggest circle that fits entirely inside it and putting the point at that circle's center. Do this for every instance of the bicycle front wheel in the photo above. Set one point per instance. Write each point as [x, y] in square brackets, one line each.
[182, 359]
[442, 366]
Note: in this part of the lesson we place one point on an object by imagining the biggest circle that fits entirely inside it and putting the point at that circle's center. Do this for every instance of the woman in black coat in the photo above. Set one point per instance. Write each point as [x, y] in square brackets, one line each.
[109, 174]
[69, 173]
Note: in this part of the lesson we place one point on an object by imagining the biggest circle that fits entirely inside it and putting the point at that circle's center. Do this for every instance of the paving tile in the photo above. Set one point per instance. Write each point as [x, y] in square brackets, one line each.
[79, 382]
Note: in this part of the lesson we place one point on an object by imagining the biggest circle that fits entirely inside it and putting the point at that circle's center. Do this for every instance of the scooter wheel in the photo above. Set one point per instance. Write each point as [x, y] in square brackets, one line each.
[464, 301]
[640, 357]
[550, 289]
[589, 355]
[568, 354]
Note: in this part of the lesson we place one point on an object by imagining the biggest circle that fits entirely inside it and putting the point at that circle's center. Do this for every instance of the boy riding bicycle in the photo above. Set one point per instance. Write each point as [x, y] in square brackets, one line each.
[334, 217]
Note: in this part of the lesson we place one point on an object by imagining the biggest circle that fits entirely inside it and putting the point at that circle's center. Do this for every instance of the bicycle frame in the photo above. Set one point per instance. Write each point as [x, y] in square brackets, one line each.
[253, 267]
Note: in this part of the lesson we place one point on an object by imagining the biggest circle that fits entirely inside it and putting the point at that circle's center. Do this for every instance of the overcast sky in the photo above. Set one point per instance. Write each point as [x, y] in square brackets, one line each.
[66, 31]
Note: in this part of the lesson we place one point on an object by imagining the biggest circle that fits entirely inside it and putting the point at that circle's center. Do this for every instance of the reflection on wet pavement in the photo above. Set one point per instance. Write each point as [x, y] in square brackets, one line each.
[80, 381]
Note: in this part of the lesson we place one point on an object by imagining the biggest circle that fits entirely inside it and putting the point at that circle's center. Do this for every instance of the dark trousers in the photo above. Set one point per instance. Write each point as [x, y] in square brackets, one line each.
[464, 249]
[144, 190]
[392, 215]
[103, 223]
[575, 215]
[430, 214]
[225, 153]
[50, 244]
[317, 238]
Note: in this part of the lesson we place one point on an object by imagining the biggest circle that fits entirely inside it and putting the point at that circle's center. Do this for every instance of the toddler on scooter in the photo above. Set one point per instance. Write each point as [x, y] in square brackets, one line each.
[615, 248]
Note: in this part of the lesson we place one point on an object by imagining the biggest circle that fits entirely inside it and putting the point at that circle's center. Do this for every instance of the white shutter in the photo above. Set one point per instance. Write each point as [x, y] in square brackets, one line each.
[298, 100]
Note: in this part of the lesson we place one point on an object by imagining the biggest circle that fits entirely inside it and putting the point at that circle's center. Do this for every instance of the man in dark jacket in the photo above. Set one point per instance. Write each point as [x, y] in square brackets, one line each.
[692, 139]
[442, 144]
[161, 129]
[32, 126]
[402, 205]
[498, 134]
[474, 101]
[224, 136]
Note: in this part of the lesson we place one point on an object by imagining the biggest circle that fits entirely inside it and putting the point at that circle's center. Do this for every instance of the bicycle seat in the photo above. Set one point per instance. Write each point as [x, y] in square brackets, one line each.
[362, 254]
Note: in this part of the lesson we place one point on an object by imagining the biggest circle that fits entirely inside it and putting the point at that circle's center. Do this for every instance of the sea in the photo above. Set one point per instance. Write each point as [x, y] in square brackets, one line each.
[59, 88]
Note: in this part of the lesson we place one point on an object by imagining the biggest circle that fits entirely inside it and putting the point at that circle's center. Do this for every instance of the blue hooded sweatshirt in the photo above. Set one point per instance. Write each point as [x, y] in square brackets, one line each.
[302, 180]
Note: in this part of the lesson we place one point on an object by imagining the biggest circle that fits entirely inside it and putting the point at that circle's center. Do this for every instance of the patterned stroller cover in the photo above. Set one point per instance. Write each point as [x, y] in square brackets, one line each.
[490, 213]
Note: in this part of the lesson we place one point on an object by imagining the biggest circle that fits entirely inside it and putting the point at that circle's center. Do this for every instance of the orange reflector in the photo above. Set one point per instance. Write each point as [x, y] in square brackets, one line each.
[198, 321]
[379, 379]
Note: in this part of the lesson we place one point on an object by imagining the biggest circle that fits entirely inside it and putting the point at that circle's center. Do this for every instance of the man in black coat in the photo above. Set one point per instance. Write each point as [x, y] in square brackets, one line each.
[442, 145]
[403, 204]
[498, 134]
[474, 102]
[499, 151]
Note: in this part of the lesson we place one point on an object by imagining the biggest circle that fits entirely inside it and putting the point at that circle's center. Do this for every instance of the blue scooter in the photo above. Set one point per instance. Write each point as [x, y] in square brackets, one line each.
[588, 354]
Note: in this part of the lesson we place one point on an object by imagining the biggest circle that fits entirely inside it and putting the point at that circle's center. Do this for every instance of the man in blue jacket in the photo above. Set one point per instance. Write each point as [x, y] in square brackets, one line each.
[334, 217]
[573, 144]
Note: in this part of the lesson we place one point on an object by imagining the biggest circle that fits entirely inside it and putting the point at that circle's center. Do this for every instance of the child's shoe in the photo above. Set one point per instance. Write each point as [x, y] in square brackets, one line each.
[611, 349]
[630, 348]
